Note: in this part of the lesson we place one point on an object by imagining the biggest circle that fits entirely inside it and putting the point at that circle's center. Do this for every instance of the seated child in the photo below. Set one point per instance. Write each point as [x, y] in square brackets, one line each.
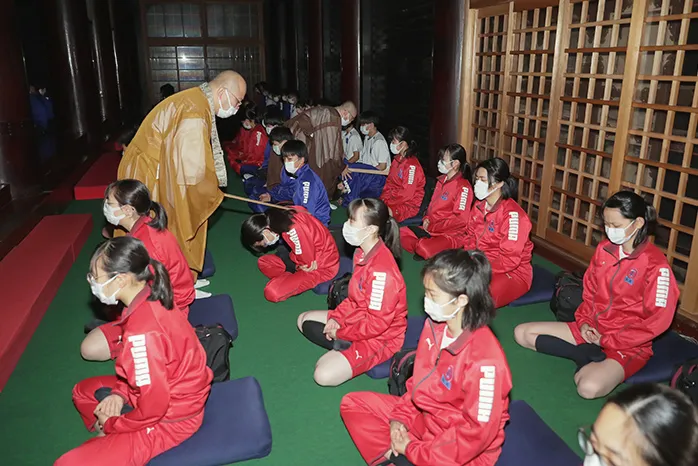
[375, 156]
[351, 141]
[404, 189]
[299, 185]
[448, 214]
[313, 256]
[457, 400]
[256, 183]
[253, 140]
[290, 100]
[369, 326]
[500, 228]
[629, 299]
[271, 120]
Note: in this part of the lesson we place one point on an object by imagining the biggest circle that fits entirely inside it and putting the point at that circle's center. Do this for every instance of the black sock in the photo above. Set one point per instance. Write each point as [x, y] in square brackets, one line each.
[102, 393]
[312, 330]
[340, 345]
[581, 355]
[400, 460]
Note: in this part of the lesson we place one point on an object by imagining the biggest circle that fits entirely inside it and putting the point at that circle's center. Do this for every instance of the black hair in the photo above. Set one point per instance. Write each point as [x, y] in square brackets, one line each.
[401, 134]
[369, 116]
[260, 86]
[127, 254]
[666, 419]
[280, 133]
[273, 117]
[137, 195]
[250, 114]
[498, 170]
[127, 135]
[457, 152]
[376, 213]
[457, 272]
[632, 206]
[290, 94]
[295, 147]
[167, 90]
[277, 220]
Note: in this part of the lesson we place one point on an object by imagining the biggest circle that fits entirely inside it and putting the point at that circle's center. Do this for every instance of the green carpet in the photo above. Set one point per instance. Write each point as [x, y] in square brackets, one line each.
[39, 422]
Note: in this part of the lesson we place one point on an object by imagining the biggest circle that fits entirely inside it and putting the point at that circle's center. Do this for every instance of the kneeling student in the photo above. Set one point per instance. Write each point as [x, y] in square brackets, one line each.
[457, 399]
[299, 184]
[629, 299]
[404, 189]
[313, 257]
[156, 399]
[369, 326]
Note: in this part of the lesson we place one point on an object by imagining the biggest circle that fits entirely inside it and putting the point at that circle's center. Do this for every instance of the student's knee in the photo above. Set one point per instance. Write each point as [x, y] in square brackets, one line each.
[349, 403]
[324, 377]
[94, 347]
[272, 294]
[300, 320]
[591, 387]
[523, 335]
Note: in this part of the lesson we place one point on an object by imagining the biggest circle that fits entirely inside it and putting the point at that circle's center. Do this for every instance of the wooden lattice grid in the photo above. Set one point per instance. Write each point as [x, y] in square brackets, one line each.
[489, 85]
[661, 161]
[594, 63]
[528, 103]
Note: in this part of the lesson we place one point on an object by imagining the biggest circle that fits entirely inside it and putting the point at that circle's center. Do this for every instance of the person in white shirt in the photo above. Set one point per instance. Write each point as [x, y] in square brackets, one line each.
[353, 145]
[375, 155]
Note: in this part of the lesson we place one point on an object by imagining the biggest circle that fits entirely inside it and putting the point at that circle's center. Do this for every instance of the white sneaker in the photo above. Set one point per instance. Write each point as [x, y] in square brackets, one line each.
[201, 282]
[202, 294]
[333, 207]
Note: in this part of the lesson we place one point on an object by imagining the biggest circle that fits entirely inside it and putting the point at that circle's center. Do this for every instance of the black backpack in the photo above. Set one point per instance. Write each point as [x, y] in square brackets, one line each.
[217, 343]
[568, 295]
[338, 292]
[686, 379]
[401, 369]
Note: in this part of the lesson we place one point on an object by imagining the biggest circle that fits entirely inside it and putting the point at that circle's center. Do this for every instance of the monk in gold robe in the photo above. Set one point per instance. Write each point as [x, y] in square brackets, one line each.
[176, 153]
[320, 128]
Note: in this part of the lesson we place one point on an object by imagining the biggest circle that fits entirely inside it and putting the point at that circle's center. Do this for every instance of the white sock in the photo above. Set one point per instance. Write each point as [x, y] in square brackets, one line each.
[201, 282]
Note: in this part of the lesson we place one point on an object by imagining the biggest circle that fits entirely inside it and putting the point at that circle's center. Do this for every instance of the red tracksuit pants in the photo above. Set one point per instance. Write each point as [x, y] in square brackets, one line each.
[131, 448]
[425, 247]
[367, 418]
[506, 287]
[282, 284]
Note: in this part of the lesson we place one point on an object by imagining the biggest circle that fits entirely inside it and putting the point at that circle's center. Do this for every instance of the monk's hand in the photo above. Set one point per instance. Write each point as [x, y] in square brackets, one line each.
[110, 406]
[346, 174]
[265, 197]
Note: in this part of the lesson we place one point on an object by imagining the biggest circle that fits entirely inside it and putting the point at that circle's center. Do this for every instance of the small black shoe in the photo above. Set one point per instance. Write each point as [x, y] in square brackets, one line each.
[93, 324]
[418, 258]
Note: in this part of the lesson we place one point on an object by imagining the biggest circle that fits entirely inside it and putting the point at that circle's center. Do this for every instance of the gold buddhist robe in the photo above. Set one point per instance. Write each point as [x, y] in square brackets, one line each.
[172, 155]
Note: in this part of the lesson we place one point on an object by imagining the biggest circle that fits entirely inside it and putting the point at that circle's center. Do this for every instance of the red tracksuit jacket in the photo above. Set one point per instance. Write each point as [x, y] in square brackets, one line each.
[457, 399]
[449, 209]
[310, 241]
[630, 301]
[503, 235]
[163, 247]
[404, 189]
[376, 308]
[253, 145]
[161, 368]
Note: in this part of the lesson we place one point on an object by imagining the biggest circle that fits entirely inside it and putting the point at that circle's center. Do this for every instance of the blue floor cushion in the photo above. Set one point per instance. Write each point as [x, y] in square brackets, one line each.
[217, 309]
[415, 324]
[529, 441]
[209, 268]
[235, 428]
[542, 288]
[670, 350]
[346, 265]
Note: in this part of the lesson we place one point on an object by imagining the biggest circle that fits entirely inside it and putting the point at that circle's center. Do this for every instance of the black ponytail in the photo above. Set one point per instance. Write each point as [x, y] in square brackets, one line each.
[402, 134]
[127, 254]
[457, 152]
[632, 206]
[135, 194]
[376, 213]
[277, 220]
[498, 171]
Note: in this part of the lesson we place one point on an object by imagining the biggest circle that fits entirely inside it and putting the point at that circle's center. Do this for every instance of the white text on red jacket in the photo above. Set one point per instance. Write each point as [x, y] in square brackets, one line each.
[486, 395]
[296, 241]
[377, 290]
[140, 359]
[513, 226]
[663, 284]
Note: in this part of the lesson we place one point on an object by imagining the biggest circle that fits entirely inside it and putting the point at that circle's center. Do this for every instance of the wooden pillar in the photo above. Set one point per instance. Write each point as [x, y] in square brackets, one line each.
[291, 47]
[76, 105]
[351, 46]
[315, 50]
[17, 167]
[449, 30]
[104, 61]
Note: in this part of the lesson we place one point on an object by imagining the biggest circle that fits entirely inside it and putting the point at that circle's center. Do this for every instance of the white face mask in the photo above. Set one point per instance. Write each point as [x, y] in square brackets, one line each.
[276, 149]
[345, 122]
[98, 291]
[364, 130]
[247, 126]
[393, 148]
[443, 169]
[269, 128]
[110, 214]
[594, 460]
[435, 310]
[273, 241]
[230, 111]
[617, 235]
[480, 190]
[351, 234]
[290, 167]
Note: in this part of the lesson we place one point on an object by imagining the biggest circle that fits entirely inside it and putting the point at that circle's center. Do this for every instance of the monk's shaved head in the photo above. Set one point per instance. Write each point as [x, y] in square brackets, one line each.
[233, 83]
[347, 111]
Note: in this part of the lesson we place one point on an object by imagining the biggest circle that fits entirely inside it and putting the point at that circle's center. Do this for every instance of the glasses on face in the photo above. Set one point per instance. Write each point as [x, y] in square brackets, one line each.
[92, 278]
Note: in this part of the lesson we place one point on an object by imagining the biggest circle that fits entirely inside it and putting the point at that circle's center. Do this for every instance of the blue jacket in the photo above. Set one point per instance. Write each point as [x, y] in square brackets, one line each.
[305, 189]
[267, 152]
